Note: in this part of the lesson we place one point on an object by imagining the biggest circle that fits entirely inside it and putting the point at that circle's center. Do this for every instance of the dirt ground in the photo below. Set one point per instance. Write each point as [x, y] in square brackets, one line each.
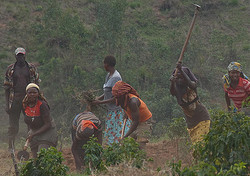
[158, 154]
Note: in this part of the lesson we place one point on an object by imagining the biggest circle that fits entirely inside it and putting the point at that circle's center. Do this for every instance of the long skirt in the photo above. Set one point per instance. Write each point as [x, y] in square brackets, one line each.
[113, 126]
[197, 133]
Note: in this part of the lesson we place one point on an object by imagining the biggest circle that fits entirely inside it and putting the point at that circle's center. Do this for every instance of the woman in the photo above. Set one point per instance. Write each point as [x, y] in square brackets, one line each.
[183, 87]
[84, 125]
[114, 120]
[236, 87]
[136, 110]
[42, 131]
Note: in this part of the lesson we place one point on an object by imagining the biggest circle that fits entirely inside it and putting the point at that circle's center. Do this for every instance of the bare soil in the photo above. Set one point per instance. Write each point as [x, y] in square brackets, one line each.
[158, 154]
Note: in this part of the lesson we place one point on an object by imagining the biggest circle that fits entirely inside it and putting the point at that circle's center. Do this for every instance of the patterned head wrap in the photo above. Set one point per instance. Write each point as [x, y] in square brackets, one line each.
[121, 88]
[85, 129]
[234, 66]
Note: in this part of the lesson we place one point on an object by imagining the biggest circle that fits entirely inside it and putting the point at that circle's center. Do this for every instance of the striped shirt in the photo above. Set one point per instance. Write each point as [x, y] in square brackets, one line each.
[240, 93]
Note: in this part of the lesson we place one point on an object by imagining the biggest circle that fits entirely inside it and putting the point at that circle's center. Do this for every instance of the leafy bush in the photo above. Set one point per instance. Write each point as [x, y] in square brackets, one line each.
[224, 150]
[48, 163]
[227, 142]
[96, 158]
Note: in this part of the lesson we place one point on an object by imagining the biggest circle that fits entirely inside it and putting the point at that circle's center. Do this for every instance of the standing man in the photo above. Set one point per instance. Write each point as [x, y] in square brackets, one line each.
[17, 77]
[183, 87]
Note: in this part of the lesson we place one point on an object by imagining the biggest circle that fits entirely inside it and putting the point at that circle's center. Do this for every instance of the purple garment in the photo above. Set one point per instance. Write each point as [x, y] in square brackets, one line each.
[189, 73]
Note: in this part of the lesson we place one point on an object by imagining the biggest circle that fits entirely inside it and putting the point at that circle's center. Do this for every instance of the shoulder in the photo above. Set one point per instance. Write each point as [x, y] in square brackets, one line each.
[43, 105]
[10, 67]
[245, 83]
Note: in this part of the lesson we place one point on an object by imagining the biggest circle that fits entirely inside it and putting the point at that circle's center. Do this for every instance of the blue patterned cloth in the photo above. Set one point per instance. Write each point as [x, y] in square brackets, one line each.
[113, 126]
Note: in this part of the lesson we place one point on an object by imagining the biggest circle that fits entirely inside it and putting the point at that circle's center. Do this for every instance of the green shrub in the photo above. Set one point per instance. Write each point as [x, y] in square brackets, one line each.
[227, 142]
[96, 158]
[48, 163]
[224, 150]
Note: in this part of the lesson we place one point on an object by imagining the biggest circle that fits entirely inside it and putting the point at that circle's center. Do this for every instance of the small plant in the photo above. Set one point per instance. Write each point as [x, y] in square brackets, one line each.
[96, 158]
[93, 156]
[48, 163]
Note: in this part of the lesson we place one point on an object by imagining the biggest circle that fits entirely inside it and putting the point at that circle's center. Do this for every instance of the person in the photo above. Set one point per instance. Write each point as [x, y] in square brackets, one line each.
[84, 125]
[42, 130]
[236, 87]
[183, 87]
[136, 110]
[17, 77]
[114, 119]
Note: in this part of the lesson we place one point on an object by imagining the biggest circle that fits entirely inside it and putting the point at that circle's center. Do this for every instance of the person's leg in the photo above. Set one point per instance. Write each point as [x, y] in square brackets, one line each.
[14, 117]
[34, 151]
[197, 133]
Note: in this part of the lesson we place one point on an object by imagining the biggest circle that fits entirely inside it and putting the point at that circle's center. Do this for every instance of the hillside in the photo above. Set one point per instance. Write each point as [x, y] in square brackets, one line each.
[69, 39]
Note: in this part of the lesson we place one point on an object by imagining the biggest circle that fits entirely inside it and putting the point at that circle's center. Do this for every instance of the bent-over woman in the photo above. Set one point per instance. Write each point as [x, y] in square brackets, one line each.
[42, 130]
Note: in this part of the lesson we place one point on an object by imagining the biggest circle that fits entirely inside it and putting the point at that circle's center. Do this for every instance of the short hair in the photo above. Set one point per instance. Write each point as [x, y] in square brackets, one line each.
[110, 60]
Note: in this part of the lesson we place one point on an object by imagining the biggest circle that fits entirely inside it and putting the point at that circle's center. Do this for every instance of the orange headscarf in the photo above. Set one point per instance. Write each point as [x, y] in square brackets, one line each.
[123, 89]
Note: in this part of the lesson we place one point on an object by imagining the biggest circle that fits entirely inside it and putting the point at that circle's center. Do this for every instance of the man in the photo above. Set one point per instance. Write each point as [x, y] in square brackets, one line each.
[183, 87]
[84, 125]
[237, 88]
[17, 77]
[136, 110]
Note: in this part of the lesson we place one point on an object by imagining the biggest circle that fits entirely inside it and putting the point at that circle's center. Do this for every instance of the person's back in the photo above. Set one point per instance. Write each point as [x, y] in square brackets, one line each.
[84, 125]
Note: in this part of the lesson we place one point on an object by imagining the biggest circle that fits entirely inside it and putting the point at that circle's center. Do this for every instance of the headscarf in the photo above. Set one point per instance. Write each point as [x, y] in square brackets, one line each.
[233, 66]
[40, 96]
[120, 89]
[85, 129]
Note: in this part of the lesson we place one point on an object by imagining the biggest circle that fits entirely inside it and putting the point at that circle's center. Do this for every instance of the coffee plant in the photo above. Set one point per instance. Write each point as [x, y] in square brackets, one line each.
[224, 150]
[48, 163]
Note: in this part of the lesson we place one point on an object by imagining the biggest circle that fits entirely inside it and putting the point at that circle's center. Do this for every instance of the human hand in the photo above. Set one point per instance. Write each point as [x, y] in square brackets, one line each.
[29, 137]
[179, 65]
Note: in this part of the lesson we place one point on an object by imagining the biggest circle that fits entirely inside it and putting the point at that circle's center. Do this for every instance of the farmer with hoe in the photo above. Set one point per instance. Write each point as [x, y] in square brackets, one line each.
[183, 87]
[84, 125]
[114, 119]
[136, 110]
[237, 88]
[42, 131]
[17, 77]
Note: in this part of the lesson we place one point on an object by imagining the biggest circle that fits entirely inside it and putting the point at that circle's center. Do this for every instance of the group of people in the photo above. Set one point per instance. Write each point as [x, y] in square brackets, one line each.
[127, 114]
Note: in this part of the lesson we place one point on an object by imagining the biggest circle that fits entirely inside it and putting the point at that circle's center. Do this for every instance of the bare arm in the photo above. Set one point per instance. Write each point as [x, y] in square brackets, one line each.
[228, 101]
[111, 100]
[7, 95]
[134, 107]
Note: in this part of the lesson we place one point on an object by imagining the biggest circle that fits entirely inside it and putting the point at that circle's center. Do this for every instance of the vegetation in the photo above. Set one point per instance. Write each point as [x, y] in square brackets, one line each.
[48, 163]
[225, 150]
[98, 158]
[69, 39]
